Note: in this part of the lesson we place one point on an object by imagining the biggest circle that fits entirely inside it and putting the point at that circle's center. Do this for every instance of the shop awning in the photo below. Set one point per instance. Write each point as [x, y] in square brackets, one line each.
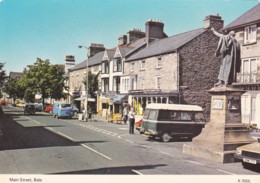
[118, 98]
[84, 98]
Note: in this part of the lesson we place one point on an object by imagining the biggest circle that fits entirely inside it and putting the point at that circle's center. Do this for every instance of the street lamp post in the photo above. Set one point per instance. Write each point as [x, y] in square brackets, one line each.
[86, 89]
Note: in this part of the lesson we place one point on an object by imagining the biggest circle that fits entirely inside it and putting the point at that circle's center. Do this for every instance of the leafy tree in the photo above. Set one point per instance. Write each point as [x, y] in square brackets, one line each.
[13, 89]
[45, 79]
[2, 78]
[92, 83]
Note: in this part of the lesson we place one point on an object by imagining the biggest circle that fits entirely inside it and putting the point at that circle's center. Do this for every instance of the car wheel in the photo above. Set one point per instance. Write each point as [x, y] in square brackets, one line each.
[166, 137]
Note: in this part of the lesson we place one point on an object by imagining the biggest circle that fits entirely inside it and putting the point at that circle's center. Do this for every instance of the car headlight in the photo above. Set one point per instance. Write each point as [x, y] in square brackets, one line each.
[239, 152]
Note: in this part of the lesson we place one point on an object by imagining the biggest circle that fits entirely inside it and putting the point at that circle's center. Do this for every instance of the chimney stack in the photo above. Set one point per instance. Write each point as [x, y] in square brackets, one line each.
[69, 62]
[154, 30]
[134, 34]
[214, 21]
[122, 40]
[94, 49]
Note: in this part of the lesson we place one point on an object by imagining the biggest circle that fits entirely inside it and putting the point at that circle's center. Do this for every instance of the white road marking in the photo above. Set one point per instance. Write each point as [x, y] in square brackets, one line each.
[167, 154]
[37, 122]
[96, 151]
[66, 136]
[137, 172]
[120, 136]
[145, 146]
[129, 141]
[123, 128]
[194, 162]
[226, 172]
[49, 128]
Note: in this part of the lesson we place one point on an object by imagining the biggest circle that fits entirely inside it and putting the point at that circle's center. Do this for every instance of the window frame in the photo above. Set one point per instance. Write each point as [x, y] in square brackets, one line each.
[250, 34]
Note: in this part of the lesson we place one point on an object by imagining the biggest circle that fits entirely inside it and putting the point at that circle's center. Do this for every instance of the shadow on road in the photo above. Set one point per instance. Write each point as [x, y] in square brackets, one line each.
[115, 170]
[16, 136]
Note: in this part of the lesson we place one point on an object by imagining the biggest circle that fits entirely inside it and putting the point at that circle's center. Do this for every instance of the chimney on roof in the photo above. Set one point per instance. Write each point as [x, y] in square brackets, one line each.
[122, 40]
[214, 21]
[134, 34]
[69, 62]
[154, 30]
[94, 49]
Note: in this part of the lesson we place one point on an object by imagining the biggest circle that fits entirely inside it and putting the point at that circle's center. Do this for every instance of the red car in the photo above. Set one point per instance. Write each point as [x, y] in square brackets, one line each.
[2, 102]
[49, 108]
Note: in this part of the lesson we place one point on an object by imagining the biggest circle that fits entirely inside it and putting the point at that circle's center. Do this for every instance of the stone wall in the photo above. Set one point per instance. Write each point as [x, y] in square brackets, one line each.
[168, 72]
[199, 68]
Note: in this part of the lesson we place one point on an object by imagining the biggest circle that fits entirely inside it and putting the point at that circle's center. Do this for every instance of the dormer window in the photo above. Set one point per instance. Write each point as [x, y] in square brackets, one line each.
[250, 34]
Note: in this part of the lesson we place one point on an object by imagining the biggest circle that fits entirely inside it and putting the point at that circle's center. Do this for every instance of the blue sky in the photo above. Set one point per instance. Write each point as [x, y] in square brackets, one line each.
[52, 29]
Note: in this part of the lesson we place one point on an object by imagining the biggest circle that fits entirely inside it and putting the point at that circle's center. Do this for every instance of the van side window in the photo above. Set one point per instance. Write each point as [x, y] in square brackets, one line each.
[168, 115]
[153, 114]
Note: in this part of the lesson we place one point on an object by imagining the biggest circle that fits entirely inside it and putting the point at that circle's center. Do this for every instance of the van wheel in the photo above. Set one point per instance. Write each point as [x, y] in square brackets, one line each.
[166, 137]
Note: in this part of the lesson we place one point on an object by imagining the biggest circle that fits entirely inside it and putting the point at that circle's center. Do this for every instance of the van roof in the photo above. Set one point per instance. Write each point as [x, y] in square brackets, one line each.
[179, 107]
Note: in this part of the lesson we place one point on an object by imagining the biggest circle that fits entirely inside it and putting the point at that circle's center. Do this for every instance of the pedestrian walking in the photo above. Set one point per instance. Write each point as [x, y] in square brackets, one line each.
[131, 117]
[125, 114]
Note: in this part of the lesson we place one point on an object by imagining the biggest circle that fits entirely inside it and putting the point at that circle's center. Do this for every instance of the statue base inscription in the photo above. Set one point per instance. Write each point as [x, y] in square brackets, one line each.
[225, 132]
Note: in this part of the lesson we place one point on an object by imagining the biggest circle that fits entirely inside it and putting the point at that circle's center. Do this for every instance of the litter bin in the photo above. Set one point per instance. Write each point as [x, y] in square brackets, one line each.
[81, 117]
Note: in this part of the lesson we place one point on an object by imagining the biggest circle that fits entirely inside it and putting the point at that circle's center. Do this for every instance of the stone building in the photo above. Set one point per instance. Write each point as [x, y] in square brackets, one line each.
[176, 69]
[77, 74]
[247, 28]
[111, 97]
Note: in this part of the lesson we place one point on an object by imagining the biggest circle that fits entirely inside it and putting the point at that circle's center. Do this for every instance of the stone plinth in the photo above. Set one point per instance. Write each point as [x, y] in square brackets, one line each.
[225, 132]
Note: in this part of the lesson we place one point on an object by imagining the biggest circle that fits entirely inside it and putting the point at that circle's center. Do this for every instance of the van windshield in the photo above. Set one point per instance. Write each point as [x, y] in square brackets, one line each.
[150, 114]
[65, 105]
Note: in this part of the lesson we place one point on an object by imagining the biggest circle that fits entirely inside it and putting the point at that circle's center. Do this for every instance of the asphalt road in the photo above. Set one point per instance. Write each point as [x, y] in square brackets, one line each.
[41, 144]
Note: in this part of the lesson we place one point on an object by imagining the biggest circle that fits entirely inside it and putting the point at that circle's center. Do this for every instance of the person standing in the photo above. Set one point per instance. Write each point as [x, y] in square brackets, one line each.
[131, 116]
[125, 113]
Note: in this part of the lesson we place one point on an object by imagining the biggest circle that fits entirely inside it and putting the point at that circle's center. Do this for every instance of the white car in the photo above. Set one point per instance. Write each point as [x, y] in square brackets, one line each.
[249, 155]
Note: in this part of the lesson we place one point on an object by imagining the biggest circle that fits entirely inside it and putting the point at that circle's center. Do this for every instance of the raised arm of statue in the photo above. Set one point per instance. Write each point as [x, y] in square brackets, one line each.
[216, 33]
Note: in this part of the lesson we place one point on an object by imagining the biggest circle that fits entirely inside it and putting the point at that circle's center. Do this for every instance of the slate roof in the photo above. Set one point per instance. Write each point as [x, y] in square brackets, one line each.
[96, 59]
[111, 53]
[15, 75]
[166, 45]
[251, 16]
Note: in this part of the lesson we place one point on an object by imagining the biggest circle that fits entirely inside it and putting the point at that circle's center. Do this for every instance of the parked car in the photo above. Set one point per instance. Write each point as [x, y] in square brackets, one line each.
[168, 121]
[138, 124]
[75, 110]
[2, 102]
[62, 110]
[20, 104]
[249, 155]
[38, 106]
[29, 109]
[49, 108]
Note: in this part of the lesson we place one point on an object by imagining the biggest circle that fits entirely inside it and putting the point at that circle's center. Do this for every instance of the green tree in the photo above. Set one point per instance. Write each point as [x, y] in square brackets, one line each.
[45, 79]
[92, 83]
[2, 78]
[13, 89]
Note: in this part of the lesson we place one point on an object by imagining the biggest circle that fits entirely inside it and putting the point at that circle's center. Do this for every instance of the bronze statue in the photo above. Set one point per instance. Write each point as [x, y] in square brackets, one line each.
[229, 48]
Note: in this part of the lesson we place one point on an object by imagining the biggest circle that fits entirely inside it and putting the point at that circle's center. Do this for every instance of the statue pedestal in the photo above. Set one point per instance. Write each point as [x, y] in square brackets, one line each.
[225, 132]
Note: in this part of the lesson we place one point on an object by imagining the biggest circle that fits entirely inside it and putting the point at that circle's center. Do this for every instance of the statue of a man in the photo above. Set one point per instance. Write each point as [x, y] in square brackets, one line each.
[229, 48]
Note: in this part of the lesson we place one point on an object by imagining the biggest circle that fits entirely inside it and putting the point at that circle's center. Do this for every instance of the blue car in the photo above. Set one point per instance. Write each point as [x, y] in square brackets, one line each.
[62, 110]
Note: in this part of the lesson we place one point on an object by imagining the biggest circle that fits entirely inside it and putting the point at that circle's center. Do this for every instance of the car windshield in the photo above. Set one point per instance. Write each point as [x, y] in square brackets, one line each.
[65, 105]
